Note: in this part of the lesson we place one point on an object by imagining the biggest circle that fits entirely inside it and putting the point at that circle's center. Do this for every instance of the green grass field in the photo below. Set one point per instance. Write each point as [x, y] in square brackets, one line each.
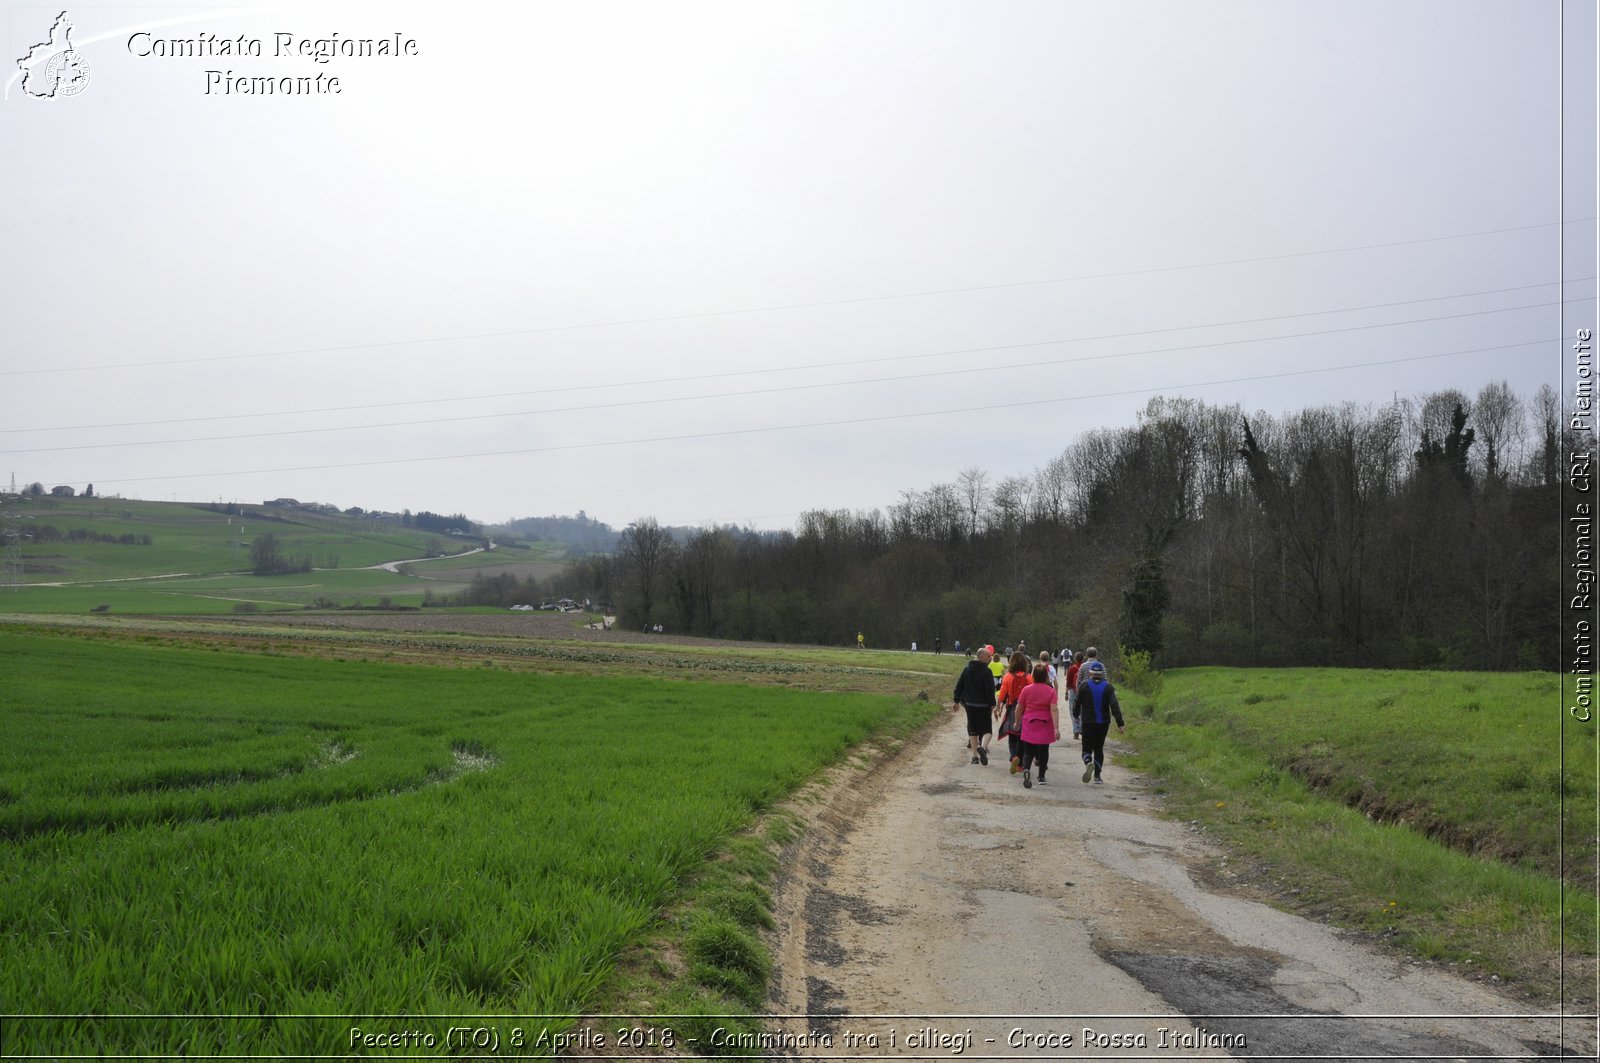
[203, 815]
[197, 560]
[1429, 808]
[205, 832]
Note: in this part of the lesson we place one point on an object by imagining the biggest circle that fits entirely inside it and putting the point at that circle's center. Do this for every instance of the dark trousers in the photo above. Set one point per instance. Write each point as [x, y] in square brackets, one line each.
[1015, 743]
[1031, 752]
[1094, 743]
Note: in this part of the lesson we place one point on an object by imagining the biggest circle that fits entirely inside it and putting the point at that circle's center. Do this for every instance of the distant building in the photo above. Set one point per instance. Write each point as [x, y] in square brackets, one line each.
[62, 491]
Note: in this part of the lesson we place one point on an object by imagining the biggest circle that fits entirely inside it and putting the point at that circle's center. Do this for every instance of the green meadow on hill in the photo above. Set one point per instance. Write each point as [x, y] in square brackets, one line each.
[121, 556]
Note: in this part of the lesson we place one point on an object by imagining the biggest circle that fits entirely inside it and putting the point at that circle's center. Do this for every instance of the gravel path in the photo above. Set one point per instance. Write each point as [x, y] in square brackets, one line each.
[938, 908]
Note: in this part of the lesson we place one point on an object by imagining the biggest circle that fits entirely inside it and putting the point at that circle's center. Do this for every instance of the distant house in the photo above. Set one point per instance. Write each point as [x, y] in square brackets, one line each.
[292, 503]
[62, 491]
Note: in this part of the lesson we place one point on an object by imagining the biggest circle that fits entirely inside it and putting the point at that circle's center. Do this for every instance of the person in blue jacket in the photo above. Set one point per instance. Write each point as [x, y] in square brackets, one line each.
[1097, 707]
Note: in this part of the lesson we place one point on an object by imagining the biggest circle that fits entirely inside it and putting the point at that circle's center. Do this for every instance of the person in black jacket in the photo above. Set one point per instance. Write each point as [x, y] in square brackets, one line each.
[975, 693]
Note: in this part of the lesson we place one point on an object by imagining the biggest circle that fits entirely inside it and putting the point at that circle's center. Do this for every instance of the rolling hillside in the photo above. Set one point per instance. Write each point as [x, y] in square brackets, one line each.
[81, 554]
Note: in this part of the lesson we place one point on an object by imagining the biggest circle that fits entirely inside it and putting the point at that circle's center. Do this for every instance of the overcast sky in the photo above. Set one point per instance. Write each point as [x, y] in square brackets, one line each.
[729, 262]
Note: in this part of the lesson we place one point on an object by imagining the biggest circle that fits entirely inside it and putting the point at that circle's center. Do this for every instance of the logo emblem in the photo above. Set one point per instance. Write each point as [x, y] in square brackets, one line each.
[53, 68]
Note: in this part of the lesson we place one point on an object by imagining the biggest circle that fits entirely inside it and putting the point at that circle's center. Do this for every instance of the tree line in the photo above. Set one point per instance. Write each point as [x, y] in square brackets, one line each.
[268, 558]
[49, 533]
[1415, 534]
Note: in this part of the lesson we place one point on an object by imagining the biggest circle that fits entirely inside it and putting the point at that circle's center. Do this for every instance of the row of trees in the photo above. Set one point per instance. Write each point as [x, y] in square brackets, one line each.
[49, 533]
[268, 558]
[1420, 533]
[423, 520]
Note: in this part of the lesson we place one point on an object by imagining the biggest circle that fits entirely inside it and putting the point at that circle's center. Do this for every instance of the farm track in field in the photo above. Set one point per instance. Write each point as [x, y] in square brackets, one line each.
[933, 897]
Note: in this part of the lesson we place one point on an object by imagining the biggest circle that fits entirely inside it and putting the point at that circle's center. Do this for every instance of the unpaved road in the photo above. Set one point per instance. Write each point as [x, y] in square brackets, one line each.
[941, 909]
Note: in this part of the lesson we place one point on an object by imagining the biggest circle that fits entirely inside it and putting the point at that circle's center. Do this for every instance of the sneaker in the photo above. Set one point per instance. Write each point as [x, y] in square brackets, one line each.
[1016, 765]
[1088, 770]
[1041, 778]
[1027, 779]
[974, 758]
[983, 755]
[1099, 781]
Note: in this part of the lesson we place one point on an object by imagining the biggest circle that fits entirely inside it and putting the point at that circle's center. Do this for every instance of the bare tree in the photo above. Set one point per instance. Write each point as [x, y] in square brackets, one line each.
[644, 550]
[1052, 491]
[1497, 413]
[972, 483]
[1436, 411]
[1546, 468]
[1011, 497]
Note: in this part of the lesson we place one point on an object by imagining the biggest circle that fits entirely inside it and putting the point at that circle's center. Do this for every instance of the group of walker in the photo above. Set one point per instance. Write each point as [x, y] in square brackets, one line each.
[1021, 695]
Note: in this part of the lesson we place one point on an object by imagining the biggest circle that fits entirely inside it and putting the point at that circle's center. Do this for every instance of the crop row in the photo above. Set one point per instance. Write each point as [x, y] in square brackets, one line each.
[547, 821]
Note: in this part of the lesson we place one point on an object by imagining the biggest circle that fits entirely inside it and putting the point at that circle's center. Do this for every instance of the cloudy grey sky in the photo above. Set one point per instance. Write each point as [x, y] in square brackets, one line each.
[732, 261]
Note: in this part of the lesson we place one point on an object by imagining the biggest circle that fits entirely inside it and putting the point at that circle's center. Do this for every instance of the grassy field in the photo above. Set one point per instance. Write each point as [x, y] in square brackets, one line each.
[201, 831]
[1428, 808]
[188, 595]
[536, 560]
[190, 559]
[248, 815]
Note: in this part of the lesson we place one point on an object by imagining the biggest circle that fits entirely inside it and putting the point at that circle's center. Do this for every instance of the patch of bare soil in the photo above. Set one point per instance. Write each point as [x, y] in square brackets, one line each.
[536, 625]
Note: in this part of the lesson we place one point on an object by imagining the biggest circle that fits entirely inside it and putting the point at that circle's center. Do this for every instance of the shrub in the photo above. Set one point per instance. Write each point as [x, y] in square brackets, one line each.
[1138, 674]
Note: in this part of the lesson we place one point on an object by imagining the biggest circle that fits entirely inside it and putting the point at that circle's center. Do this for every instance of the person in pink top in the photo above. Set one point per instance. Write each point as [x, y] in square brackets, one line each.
[1041, 723]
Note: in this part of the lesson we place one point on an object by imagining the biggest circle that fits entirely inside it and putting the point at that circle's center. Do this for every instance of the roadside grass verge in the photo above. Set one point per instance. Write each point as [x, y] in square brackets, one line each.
[201, 831]
[1425, 808]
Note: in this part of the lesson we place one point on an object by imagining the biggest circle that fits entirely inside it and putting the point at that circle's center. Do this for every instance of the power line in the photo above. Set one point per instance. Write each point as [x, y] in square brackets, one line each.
[877, 419]
[779, 390]
[794, 306]
[770, 391]
[611, 385]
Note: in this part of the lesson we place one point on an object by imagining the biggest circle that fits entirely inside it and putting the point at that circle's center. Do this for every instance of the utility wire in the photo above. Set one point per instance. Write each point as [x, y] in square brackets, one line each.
[964, 411]
[612, 385]
[775, 390]
[792, 306]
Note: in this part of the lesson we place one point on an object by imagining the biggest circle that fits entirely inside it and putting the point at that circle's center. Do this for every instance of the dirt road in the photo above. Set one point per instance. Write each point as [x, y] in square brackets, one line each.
[938, 909]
